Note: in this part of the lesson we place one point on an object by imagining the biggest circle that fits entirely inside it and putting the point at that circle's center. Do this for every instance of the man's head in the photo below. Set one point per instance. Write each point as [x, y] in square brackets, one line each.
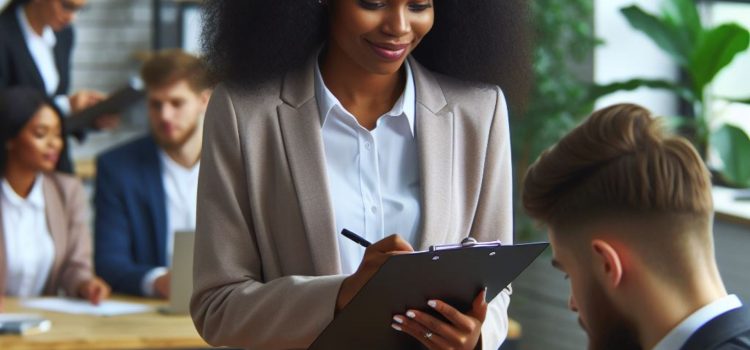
[178, 88]
[628, 207]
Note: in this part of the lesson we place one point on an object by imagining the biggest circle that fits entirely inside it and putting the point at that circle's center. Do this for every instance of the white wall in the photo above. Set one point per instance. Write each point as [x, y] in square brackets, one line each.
[628, 54]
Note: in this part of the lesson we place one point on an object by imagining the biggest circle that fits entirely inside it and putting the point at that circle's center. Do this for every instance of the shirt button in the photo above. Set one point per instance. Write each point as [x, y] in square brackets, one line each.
[374, 209]
[367, 145]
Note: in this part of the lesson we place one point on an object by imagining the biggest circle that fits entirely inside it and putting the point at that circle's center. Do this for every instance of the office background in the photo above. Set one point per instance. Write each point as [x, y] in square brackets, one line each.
[113, 37]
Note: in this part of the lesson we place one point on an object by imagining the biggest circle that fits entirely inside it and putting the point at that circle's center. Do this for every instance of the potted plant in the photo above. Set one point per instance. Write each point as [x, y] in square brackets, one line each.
[701, 53]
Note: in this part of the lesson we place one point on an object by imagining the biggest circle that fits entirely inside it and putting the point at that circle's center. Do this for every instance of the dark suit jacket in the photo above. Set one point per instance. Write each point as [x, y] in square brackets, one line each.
[131, 215]
[17, 66]
[728, 331]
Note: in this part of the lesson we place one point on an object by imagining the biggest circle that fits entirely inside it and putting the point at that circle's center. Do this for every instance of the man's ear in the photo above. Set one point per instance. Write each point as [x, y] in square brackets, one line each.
[607, 262]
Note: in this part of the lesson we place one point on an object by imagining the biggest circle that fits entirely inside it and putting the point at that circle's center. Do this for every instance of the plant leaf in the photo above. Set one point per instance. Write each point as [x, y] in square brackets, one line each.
[733, 146]
[684, 14]
[716, 48]
[661, 32]
[596, 91]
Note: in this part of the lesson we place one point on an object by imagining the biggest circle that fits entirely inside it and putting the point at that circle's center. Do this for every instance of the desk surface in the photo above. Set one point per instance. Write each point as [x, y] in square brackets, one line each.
[84, 332]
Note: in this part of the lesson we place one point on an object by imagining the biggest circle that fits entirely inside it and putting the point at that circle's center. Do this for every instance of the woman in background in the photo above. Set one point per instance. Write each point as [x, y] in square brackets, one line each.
[326, 121]
[45, 241]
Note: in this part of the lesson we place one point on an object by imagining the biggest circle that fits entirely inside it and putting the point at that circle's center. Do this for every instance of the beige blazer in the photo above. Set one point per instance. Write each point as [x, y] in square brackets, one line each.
[67, 216]
[266, 268]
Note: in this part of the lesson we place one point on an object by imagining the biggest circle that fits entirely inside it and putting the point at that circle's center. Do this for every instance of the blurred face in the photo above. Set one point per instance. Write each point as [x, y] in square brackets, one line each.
[607, 328]
[378, 34]
[175, 112]
[37, 147]
[59, 14]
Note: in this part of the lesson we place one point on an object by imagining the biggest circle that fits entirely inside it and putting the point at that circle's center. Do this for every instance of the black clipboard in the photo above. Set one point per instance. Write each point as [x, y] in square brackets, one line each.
[455, 275]
[115, 103]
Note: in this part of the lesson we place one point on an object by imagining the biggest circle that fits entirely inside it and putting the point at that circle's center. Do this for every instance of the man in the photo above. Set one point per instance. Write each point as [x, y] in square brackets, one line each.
[629, 213]
[146, 189]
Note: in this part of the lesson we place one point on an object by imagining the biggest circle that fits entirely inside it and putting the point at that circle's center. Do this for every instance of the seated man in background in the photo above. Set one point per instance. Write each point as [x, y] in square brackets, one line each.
[629, 213]
[146, 189]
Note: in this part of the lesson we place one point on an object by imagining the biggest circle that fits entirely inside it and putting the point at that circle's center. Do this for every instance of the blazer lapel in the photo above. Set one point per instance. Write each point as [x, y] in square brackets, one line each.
[434, 133]
[300, 126]
[56, 220]
[154, 187]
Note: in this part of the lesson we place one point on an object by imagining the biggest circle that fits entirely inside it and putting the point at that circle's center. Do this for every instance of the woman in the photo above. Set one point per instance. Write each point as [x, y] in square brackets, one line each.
[325, 122]
[36, 42]
[45, 242]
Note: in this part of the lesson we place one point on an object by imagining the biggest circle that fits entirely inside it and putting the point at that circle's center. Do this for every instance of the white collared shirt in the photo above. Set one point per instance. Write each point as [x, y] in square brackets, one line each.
[677, 337]
[181, 193]
[29, 248]
[373, 176]
[42, 49]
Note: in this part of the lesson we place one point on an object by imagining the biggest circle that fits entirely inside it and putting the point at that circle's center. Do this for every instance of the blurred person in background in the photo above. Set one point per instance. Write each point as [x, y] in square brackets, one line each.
[45, 241]
[36, 42]
[630, 215]
[146, 189]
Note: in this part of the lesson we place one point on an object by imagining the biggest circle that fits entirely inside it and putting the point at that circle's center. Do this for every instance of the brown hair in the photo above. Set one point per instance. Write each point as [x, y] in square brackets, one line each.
[619, 163]
[172, 65]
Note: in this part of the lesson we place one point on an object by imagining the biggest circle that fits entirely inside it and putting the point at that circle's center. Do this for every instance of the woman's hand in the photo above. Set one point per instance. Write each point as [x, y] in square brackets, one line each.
[375, 256]
[94, 290]
[462, 333]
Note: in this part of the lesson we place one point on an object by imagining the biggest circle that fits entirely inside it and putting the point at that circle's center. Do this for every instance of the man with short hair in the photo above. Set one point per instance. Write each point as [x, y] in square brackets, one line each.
[629, 213]
[146, 189]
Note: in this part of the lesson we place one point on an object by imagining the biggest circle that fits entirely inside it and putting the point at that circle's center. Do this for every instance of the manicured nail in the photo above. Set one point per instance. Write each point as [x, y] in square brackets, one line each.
[432, 303]
[396, 327]
[411, 314]
[398, 319]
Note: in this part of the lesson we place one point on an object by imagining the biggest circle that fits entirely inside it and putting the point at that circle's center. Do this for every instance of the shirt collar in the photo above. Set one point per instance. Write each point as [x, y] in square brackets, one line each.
[48, 35]
[677, 337]
[35, 198]
[405, 105]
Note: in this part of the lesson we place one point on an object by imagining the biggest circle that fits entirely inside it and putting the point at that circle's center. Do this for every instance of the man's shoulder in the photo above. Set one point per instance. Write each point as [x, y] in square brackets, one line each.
[133, 152]
[728, 331]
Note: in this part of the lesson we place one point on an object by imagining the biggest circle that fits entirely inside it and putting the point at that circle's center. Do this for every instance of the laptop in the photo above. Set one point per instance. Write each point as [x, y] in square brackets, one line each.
[181, 274]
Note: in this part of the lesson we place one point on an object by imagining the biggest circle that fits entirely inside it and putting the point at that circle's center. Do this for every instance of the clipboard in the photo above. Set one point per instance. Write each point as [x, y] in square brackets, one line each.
[115, 103]
[454, 274]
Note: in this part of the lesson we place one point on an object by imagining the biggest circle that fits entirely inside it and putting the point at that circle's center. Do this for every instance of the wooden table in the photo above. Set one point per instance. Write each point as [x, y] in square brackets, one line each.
[150, 330]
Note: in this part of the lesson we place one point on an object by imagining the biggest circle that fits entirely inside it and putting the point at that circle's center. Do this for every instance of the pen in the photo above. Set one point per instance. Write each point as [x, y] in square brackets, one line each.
[356, 238]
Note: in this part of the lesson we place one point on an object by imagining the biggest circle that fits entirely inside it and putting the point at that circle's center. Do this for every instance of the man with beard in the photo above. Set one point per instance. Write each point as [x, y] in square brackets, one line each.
[629, 214]
[146, 189]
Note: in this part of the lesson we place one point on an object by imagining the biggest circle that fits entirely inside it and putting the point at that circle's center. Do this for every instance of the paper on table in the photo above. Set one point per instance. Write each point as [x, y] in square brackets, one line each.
[76, 306]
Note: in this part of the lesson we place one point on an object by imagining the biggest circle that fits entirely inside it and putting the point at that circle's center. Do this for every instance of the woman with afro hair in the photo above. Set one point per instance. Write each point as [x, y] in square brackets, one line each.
[383, 117]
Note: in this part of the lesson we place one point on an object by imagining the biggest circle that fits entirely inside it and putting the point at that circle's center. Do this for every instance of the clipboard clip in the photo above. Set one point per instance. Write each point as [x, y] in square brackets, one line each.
[468, 242]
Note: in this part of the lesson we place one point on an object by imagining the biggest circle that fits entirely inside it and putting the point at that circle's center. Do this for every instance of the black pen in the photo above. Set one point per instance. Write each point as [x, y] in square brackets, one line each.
[356, 238]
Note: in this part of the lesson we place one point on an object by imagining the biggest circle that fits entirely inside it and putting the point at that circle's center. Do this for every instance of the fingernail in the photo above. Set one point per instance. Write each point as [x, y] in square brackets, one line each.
[411, 314]
[432, 303]
[398, 319]
[396, 327]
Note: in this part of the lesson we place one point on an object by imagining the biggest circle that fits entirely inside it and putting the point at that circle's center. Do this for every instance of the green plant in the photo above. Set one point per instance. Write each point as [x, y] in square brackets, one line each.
[701, 53]
[563, 36]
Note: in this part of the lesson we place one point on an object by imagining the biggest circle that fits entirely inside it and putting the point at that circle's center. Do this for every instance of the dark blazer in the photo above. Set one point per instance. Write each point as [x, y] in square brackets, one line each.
[728, 331]
[17, 66]
[131, 215]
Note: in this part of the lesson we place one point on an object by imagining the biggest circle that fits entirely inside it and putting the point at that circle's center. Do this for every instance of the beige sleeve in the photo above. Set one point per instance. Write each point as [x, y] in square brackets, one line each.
[77, 266]
[232, 304]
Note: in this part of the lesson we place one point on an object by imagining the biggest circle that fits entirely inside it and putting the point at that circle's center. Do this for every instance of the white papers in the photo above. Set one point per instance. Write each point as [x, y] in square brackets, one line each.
[83, 307]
